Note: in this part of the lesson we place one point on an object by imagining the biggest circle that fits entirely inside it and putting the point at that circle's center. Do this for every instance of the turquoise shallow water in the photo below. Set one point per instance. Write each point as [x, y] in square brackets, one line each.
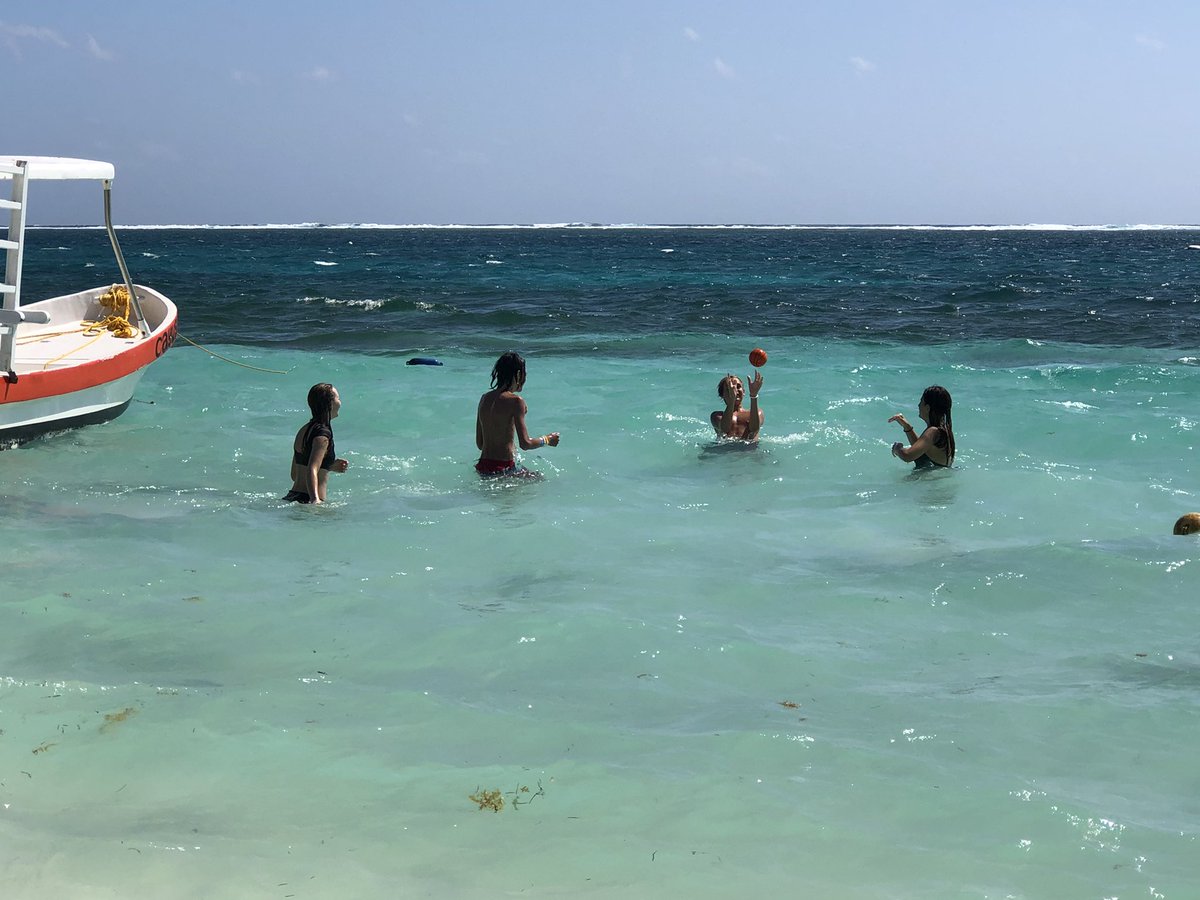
[716, 672]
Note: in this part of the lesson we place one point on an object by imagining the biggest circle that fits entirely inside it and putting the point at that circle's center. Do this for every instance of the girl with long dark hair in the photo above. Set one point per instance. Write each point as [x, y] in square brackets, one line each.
[934, 447]
[500, 421]
[313, 456]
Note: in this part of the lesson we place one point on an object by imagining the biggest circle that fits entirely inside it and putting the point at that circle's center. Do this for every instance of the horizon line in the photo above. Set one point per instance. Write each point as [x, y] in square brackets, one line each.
[597, 226]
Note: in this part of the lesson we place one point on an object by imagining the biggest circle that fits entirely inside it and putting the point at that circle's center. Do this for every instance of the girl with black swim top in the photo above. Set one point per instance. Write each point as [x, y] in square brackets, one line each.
[313, 456]
[934, 448]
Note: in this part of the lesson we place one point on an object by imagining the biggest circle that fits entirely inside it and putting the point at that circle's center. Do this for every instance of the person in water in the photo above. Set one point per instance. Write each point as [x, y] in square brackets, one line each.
[934, 447]
[501, 416]
[733, 421]
[1188, 523]
[313, 456]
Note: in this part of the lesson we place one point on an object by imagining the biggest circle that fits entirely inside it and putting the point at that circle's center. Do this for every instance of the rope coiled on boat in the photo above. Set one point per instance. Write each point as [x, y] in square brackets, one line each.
[116, 299]
[116, 323]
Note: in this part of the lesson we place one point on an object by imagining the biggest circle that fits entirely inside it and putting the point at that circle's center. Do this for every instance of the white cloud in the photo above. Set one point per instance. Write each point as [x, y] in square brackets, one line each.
[243, 77]
[410, 120]
[320, 73]
[691, 34]
[1150, 43]
[862, 65]
[10, 35]
[97, 51]
[32, 31]
[723, 68]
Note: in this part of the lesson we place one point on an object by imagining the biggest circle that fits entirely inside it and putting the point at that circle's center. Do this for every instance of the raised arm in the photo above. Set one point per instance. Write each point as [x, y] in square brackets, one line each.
[756, 415]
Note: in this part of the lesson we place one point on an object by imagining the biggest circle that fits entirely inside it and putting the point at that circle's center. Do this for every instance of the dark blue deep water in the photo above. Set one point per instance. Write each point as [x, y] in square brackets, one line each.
[392, 290]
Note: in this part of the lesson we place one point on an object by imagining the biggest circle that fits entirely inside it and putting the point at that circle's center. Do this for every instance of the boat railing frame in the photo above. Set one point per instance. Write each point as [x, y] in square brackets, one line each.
[143, 325]
[14, 245]
[11, 313]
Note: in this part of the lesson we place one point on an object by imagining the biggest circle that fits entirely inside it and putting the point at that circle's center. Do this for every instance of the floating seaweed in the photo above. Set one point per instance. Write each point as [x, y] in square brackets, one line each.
[522, 795]
[519, 801]
[111, 719]
[487, 799]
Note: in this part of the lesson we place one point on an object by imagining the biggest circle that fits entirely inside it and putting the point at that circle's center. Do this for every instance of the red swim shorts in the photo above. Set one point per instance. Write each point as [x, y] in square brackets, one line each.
[495, 466]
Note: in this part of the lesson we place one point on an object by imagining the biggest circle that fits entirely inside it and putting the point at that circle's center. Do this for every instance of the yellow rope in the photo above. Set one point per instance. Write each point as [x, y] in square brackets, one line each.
[116, 298]
[234, 361]
[117, 324]
[42, 335]
[74, 350]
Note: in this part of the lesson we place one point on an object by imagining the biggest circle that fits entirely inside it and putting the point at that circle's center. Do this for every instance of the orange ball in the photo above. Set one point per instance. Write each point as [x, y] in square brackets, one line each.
[758, 357]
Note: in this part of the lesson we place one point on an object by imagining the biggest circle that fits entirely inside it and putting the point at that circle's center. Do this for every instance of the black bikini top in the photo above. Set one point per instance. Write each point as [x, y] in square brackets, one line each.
[315, 430]
[925, 462]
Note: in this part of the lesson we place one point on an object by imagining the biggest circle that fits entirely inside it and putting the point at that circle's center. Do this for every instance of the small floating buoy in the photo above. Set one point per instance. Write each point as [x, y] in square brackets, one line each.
[423, 361]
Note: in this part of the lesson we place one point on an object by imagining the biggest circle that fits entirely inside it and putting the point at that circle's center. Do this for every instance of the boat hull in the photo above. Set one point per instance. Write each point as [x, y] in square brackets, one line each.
[45, 393]
[20, 422]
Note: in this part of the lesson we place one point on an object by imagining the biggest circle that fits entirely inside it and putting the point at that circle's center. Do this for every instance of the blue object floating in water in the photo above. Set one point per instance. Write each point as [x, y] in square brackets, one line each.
[423, 361]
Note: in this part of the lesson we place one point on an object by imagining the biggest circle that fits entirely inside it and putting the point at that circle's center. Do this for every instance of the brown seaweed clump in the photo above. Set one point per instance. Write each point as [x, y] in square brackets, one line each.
[111, 719]
[488, 799]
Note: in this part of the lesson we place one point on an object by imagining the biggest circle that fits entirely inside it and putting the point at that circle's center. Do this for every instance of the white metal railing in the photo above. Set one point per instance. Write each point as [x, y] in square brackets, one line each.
[14, 245]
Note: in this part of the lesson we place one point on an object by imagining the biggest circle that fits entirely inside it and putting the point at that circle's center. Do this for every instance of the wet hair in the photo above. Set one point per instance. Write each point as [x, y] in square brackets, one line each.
[937, 398]
[320, 401]
[1189, 523]
[508, 371]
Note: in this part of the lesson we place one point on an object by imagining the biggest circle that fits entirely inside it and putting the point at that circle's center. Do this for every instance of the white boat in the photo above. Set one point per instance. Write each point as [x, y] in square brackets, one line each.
[74, 359]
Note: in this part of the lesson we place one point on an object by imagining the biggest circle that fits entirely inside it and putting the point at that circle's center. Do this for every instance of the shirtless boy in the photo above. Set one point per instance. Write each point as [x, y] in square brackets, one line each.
[500, 416]
[733, 421]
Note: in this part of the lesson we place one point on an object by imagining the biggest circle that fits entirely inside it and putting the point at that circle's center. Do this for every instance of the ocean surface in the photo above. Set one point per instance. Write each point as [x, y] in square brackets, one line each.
[685, 669]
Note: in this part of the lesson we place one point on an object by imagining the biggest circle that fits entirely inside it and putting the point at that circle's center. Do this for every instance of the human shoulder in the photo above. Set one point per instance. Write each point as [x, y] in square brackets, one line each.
[502, 401]
[492, 398]
[311, 430]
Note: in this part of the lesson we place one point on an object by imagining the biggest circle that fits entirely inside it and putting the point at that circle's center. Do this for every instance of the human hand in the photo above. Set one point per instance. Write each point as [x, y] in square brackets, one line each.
[552, 439]
[756, 383]
[901, 421]
[897, 447]
[340, 465]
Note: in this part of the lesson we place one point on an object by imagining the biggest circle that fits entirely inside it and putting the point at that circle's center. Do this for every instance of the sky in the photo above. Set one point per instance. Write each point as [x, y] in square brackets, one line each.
[618, 112]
